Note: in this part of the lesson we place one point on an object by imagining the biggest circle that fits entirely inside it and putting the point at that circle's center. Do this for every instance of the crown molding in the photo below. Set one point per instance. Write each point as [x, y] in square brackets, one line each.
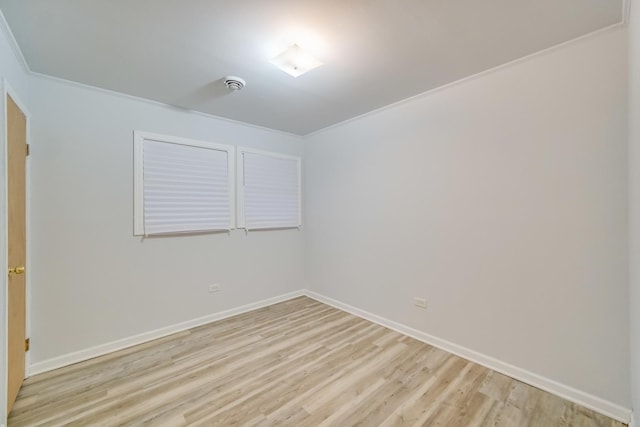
[526, 58]
[6, 30]
[15, 47]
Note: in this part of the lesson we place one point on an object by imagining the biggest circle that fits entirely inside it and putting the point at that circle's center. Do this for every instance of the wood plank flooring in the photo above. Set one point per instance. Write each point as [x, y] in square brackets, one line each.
[297, 363]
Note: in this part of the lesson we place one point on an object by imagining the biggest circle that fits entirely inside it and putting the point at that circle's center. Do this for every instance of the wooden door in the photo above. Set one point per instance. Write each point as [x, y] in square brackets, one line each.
[16, 196]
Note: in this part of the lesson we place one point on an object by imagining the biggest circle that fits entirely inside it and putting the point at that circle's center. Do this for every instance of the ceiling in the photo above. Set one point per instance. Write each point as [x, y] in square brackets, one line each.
[375, 52]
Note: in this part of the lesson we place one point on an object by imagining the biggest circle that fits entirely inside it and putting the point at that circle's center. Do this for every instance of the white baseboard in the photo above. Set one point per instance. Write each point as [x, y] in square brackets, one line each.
[587, 400]
[102, 349]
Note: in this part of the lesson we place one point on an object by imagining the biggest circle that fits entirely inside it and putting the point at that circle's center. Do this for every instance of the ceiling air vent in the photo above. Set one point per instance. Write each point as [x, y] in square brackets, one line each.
[234, 83]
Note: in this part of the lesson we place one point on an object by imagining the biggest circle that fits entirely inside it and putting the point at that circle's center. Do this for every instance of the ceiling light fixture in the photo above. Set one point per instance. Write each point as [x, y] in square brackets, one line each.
[295, 61]
[234, 83]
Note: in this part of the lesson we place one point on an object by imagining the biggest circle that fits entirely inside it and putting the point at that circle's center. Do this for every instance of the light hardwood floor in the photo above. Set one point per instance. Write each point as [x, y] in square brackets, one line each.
[297, 363]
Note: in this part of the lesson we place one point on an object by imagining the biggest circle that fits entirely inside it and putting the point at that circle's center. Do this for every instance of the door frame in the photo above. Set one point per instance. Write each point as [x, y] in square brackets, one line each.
[7, 90]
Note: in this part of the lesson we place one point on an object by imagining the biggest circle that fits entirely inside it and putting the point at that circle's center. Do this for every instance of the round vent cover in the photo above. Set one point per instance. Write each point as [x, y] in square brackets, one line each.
[234, 83]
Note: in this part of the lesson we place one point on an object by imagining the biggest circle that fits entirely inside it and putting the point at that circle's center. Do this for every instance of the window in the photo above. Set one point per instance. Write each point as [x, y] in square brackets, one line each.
[268, 190]
[181, 185]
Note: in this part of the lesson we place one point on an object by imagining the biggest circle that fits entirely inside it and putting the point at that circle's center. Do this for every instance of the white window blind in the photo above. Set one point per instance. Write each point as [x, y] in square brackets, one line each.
[182, 185]
[269, 190]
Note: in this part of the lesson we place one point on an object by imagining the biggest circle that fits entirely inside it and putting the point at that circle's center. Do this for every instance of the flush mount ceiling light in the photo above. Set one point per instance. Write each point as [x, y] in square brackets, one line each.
[295, 61]
[234, 83]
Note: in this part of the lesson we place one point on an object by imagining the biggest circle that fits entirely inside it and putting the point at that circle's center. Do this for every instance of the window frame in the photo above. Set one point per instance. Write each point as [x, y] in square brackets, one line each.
[240, 211]
[139, 137]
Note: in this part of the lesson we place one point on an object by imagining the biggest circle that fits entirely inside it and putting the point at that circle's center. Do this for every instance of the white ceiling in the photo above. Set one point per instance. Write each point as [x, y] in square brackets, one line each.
[376, 52]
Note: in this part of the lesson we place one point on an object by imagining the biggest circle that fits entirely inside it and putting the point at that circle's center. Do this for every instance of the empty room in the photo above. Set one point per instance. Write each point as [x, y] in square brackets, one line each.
[320, 213]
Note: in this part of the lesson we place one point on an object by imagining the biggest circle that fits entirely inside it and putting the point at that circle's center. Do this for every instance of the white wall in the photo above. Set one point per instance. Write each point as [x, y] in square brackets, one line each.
[503, 201]
[11, 70]
[93, 281]
[515, 234]
[634, 200]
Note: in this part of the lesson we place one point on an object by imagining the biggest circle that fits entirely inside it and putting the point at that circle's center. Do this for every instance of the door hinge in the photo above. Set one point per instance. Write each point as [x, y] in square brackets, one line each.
[28, 149]
[27, 344]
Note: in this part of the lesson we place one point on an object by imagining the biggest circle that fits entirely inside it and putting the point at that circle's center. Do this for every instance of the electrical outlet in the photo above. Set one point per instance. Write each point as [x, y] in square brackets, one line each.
[420, 302]
[214, 288]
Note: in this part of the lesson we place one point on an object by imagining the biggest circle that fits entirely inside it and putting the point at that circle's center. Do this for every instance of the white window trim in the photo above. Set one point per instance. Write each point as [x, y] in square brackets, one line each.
[138, 172]
[240, 221]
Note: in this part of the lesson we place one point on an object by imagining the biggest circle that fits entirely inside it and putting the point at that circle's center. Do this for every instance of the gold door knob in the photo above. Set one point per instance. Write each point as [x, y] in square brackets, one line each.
[16, 270]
